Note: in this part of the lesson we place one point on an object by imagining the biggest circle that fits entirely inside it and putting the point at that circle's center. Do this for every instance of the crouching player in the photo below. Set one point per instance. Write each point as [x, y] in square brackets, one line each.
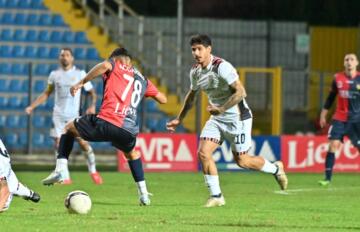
[10, 185]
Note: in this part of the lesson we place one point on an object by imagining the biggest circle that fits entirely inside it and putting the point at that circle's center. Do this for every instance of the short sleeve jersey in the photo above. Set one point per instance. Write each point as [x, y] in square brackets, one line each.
[66, 105]
[124, 88]
[348, 92]
[214, 80]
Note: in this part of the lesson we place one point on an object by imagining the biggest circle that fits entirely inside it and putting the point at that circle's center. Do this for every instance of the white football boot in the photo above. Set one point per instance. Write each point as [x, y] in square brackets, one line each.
[280, 176]
[144, 199]
[215, 202]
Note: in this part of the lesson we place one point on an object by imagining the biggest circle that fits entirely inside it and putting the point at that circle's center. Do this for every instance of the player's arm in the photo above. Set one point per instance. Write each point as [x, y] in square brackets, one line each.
[96, 71]
[40, 99]
[4, 193]
[188, 103]
[92, 107]
[328, 103]
[160, 97]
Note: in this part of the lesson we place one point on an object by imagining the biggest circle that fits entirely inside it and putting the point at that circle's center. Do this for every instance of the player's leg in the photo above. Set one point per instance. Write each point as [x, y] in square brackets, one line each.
[18, 189]
[88, 152]
[137, 171]
[241, 144]
[210, 140]
[335, 134]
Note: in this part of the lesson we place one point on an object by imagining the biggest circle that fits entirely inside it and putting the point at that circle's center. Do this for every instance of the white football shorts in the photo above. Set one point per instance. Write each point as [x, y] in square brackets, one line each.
[237, 133]
[59, 124]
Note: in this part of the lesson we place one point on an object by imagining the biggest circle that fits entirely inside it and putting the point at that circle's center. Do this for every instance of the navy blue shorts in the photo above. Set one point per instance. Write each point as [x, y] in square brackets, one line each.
[94, 129]
[353, 131]
[339, 129]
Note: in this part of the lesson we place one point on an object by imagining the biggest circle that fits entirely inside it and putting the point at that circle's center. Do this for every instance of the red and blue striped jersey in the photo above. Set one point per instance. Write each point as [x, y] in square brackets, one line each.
[124, 88]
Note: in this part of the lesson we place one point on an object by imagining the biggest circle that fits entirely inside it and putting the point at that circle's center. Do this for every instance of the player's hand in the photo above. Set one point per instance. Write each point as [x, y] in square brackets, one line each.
[215, 110]
[90, 110]
[171, 126]
[29, 109]
[75, 88]
[322, 122]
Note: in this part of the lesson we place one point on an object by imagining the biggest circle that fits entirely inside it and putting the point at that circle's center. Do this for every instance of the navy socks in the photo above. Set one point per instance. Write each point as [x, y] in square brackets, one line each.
[329, 164]
[65, 146]
[137, 170]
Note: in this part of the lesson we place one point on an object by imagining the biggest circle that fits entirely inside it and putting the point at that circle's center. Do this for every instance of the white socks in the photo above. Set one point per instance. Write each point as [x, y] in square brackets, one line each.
[141, 185]
[90, 159]
[213, 185]
[22, 191]
[269, 167]
[62, 167]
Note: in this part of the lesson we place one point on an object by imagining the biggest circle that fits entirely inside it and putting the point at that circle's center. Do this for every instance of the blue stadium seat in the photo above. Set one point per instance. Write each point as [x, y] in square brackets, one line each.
[19, 35]
[37, 4]
[68, 37]
[53, 67]
[7, 18]
[42, 70]
[33, 19]
[30, 52]
[54, 52]
[38, 121]
[56, 37]
[48, 121]
[15, 85]
[2, 119]
[79, 53]
[57, 20]
[14, 102]
[40, 86]
[25, 101]
[11, 140]
[25, 86]
[20, 19]
[38, 139]
[24, 4]
[151, 106]
[5, 68]
[50, 103]
[92, 54]
[11, 4]
[5, 51]
[43, 52]
[18, 51]
[23, 139]
[18, 69]
[44, 36]
[23, 121]
[49, 141]
[161, 125]
[2, 3]
[45, 20]
[6, 35]
[31, 36]
[80, 37]
[3, 102]
[12, 121]
[4, 85]
[151, 123]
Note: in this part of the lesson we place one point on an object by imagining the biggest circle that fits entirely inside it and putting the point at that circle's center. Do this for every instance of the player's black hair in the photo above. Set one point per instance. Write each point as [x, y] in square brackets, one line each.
[67, 49]
[119, 52]
[200, 39]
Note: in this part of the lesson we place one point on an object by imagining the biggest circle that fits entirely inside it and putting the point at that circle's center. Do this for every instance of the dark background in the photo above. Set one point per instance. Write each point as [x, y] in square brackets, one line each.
[315, 12]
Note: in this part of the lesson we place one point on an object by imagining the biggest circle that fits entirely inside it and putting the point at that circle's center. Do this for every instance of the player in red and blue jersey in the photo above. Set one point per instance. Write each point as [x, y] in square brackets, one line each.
[116, 122]
[346, 120]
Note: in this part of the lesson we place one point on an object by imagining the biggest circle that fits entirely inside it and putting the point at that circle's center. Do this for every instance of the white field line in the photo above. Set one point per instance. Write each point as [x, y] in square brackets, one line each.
[292, 191]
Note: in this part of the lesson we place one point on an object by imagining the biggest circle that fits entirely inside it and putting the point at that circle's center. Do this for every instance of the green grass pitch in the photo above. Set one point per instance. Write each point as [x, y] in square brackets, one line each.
[252, 204]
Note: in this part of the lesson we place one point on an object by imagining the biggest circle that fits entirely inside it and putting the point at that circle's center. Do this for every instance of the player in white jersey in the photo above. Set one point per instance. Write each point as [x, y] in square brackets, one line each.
[9, 184]
[67, 107]
[231, 118]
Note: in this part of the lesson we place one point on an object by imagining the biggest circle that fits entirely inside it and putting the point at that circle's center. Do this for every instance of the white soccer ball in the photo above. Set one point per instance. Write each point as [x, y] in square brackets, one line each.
[78, 202]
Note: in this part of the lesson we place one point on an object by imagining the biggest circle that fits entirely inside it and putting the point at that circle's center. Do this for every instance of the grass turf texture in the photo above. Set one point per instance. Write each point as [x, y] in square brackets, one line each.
[252, 204]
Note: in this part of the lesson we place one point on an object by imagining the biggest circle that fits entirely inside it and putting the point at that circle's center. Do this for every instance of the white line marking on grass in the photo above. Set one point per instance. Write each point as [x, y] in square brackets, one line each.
[292, 191]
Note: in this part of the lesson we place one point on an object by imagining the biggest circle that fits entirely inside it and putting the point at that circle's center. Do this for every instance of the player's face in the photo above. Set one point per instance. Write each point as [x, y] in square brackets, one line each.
[350, 62]
[201, 53]
[66, 59]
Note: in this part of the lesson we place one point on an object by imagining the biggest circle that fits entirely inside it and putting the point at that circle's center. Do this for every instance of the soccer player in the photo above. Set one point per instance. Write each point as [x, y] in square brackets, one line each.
[67, 108]
[346, 120]
[124, 88]
[9, 184]
[231, 118]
